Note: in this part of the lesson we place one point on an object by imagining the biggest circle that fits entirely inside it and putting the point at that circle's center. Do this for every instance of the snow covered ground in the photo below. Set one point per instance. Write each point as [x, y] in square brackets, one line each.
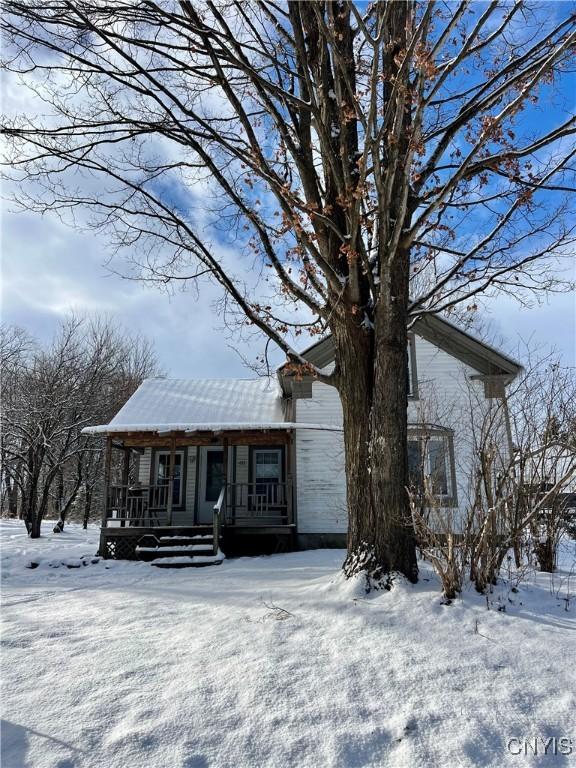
[272, 661]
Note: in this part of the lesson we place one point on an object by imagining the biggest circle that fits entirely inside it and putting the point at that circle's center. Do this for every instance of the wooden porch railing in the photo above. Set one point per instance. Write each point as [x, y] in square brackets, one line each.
[257, 503]
[218, 519]
[260, 502]
[138, 505]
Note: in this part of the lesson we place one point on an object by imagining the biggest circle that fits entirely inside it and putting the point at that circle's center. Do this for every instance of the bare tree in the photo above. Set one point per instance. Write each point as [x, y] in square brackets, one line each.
[344, 152]
[522, 481]
[543, 422]
[83, 377]
[556, 518]
[15, 347]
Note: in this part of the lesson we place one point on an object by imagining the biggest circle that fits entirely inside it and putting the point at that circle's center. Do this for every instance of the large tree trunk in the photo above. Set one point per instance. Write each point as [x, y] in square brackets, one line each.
[372, 384]
[355, 376]
[389, 458]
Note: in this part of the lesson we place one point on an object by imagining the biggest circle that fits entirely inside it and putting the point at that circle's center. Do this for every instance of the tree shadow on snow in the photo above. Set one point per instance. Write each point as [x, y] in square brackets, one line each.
[195, 761]
[547, 611]
[365, 749]
[14, 743]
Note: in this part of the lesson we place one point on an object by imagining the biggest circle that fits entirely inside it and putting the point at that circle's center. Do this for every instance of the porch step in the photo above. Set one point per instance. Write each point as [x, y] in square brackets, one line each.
[148, 554]
[191, 551]
[187, 562]
[204, 540]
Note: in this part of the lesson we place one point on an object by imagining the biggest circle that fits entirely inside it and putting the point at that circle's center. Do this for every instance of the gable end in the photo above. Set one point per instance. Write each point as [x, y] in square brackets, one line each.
[451, 339]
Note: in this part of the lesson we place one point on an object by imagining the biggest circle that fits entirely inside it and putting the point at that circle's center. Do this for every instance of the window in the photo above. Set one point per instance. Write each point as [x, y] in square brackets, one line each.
[412, 383]
[214, 474]
[267, 469]
[162, 473]
[437, 466]
[430, 459]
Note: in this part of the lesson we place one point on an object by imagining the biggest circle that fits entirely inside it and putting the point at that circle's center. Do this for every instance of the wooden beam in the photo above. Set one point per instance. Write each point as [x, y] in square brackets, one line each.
[290, 466]
[225, 445]
[130, 449]
[252, 437]
[171, 465]
[106, 479]
[153, 441]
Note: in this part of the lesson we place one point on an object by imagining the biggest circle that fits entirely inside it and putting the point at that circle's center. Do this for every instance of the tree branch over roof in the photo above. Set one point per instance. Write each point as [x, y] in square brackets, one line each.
[310, 140]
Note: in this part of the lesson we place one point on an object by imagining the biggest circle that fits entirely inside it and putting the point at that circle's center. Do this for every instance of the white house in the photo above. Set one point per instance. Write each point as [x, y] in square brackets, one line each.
[258, 464]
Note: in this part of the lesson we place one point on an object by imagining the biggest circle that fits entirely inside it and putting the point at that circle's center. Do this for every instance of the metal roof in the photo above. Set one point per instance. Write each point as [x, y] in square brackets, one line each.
[195, 405]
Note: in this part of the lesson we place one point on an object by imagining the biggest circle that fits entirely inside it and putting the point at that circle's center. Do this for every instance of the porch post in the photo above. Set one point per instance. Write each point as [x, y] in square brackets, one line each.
[225, 471]
[105, 490]
[289, 479]
[126, 466]
[125, 472]
[171, 478]
[106, 479]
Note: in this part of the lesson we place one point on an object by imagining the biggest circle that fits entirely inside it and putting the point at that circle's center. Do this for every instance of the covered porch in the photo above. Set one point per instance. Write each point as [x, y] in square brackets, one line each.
[221, 485]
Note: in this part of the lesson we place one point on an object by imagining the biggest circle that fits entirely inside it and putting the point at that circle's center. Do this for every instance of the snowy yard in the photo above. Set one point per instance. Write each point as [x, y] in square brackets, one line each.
[271, 661]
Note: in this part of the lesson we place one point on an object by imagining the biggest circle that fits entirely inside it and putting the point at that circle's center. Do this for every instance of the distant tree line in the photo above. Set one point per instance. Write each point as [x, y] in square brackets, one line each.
[49, 394]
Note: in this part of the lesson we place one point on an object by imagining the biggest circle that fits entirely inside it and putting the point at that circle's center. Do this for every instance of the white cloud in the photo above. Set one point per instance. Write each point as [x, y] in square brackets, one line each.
[49, 269]
[547, 326]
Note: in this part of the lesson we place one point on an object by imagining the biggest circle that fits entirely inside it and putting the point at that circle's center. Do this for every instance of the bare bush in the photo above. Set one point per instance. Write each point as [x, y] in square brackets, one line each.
[522, 485]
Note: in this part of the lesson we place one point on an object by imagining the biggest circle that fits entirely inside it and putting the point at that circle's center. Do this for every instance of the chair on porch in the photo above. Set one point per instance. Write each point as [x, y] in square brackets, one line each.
[139, 512]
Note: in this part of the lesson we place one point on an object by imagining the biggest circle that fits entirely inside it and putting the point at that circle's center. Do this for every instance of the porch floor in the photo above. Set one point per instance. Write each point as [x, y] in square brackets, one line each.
[119, 543]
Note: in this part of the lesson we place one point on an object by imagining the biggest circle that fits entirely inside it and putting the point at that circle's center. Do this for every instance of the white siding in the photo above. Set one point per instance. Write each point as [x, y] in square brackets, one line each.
[144, 468]
[242, 468]
[320, 479]
[446, 397]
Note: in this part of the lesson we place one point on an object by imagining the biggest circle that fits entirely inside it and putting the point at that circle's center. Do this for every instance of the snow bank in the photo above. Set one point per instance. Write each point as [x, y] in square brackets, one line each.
[271, 662]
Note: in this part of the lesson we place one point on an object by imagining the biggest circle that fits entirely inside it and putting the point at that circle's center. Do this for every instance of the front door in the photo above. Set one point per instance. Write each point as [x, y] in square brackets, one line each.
[211, 480]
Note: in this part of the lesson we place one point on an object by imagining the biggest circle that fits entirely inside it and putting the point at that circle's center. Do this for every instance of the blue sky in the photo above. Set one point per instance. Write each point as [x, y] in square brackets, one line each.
[49, 269]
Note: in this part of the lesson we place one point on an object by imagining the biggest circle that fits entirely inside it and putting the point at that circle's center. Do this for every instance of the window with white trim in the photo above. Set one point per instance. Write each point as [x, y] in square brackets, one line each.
[430, 461]
[267, 468]
[162, 473]
[411, 386]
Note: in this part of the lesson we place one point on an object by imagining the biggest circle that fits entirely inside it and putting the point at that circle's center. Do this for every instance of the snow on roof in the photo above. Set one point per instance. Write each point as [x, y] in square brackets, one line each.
[193, 405]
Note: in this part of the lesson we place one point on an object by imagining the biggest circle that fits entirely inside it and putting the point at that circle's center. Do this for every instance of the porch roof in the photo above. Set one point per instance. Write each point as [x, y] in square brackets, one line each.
[203, 405]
